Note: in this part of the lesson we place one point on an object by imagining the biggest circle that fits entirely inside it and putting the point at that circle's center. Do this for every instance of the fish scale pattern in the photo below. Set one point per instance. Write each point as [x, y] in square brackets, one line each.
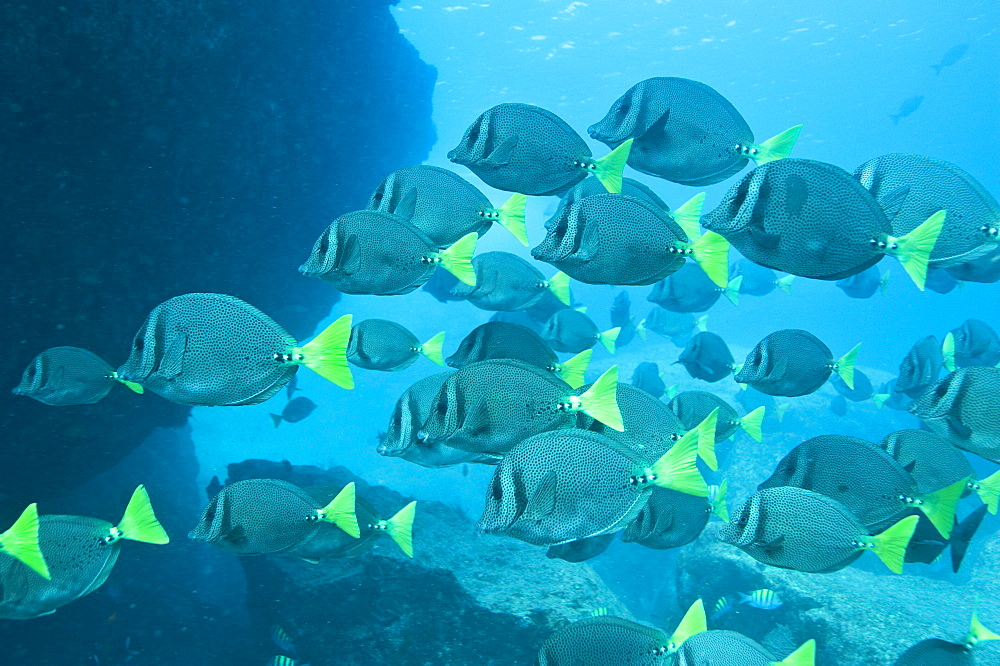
[570, 331]
[209, 349]
[790, 362]
[605, 641]
[932, 461]
[501, 339]
[650, 426]
[669, 519]
[692, 407]
[962, 409]
[504, 282]
[687, 289]
[920, 367]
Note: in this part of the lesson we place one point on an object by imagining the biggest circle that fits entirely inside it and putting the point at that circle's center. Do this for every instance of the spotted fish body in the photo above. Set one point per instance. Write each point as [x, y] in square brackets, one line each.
[669, 519]
[504, 282]
[572, 331]
[437, 201]
[961, 407]
[932, 461]
[791, 362]
[404, 438]
[799, 529]
[605, 641]
[67, 376]
[592, 186]
[910, 188]
[689, 289]
[650, 427]
[258, 516]
[723, 648]
[523, 148]
[692, 407]
[811, 219]
[684, 131]
[379, 344]
[707, 357]
[331, 542]
[920, 367]
[498, 339]
[975, 343]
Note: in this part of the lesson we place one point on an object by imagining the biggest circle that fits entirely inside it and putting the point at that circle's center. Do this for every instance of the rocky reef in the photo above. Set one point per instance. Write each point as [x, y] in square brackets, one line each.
[173, 146]
[462, 599]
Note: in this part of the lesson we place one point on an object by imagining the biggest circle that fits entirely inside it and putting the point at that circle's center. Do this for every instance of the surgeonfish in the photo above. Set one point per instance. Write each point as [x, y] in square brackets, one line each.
[69, 376]
[648, 378]
[527, 149]
[691, 289]
[581, 550]
[80, 553]
[375, 253]
[331, 542]
[865, 284]
[573, 331]
[906, 107]
[260, 516]
[692, 407]
[961, 407]
[799, 529]
[707, 357]
[815, 220]
[214, 350]
[506, 282]
[921, 367]
[973, 343]
[295, 410]
[686, 132]
[794, 362]
[621, 318]
[379, 344]
[729, 648]
[938, 652]
[760, 281]
[444, 205]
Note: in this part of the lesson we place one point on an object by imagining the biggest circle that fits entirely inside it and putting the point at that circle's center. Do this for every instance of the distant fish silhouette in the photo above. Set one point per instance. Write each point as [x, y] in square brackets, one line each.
[909, 105]
[950, 57]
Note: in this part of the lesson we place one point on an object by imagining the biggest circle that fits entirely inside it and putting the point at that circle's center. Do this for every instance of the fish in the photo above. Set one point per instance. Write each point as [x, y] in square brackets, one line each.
[707, 357]
[961, 407]
[80, 553]
[331, 542]
[815, 220]
[722, 606]
[292, 386]
[729, 648]
[215, 350]
[621, 318]
[985, 269]
[404, 438]
[686, 132]
[20, 542]
[69, 376]
[581, 550]
[760, 281]
[617, 239]
[693, 407]
[921, 367]
[909, 188]
[673, 325]
[927, 544]
[938, 652]
[647, 377]
[374, 253]
[572, 331]
[861, 391]
[503, 340]
[671, 519]
[489, 406]
[795, 528]
[750, 399]
[864, 284]
[950, 57]
[442, 286]
[282, 640]
[908, 106]
[506, 282]
[865, 479]
[282, 660]
[973, 343]
[690, 289]
[605, 639]
[762, 599]
[295, 410]
[445, 206]
[379, 344]
[887, 396]
[564, 485]
[527, 149]
[259, 516]
[939, 280]
[793, 362]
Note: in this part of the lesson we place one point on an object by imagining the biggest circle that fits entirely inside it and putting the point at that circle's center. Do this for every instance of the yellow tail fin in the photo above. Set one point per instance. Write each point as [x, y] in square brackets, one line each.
[326, 354]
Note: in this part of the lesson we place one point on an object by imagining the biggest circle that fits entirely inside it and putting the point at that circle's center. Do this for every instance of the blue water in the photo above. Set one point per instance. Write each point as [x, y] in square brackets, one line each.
[840, 69]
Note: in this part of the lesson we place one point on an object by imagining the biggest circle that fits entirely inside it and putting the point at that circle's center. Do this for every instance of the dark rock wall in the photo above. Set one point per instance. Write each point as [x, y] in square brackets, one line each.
[155, 148]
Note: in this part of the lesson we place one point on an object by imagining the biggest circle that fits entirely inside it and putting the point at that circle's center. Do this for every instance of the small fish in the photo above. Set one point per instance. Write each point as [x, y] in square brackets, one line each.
[793, 362]
[861, 391]
[69, 376]
[920, 367]
[707, 357]
[722, 606]
[940, 281]
[621, 317]
[950, 57]
[693, 407]
[763, 599]
[282, 660]
[506, 282]
[839, 405]
[690, 289]
[379, 344]
[330, 542]
[677, 326]
[282, 640]
[647, 377]
[524, 148]
[296, 410]
[864, 284]
[573, 331]
[686, 132]
[760, 281]
[908, 106]
[971, 344]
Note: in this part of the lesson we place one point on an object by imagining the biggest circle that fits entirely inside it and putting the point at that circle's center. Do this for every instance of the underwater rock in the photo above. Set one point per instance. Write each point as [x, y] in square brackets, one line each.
[462, 599]
[857, 617]
[177, 146]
